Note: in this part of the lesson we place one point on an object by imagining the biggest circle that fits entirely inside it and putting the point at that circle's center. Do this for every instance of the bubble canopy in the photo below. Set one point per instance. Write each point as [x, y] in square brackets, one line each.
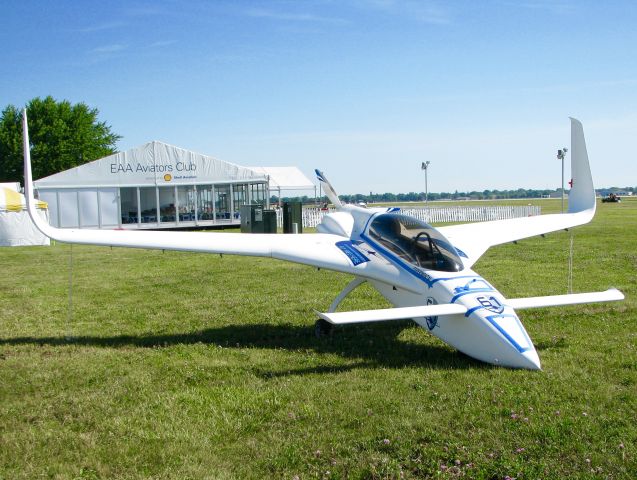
[415, 242]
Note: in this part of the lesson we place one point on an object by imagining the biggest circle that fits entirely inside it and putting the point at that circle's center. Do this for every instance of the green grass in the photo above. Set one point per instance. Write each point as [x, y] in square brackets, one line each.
[180, 365]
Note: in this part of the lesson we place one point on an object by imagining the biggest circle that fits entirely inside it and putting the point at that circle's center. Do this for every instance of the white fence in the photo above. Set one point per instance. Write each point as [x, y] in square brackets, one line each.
[312, 216]
[471, 214]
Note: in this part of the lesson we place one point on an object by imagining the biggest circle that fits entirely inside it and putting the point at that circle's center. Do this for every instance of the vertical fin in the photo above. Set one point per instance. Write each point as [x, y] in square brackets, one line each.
[582, 194]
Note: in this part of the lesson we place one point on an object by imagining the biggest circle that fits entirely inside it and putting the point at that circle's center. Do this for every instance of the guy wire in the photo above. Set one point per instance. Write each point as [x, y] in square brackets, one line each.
[69, 316]
[569, 285]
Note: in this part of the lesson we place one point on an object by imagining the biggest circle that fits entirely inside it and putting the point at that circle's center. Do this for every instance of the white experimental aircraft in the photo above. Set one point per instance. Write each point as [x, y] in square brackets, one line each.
[424, 271]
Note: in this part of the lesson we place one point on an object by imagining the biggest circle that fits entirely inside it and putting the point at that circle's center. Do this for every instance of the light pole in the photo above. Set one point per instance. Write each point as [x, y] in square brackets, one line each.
[425, 166]
[560, 156]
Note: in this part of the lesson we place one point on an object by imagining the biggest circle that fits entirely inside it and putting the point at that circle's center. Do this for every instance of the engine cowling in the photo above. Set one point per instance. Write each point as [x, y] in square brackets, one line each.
[336, 223]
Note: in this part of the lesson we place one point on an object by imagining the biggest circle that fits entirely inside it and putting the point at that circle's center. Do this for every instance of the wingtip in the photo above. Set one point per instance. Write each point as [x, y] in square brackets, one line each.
[323, 316]
[28, 181]
[616, 294]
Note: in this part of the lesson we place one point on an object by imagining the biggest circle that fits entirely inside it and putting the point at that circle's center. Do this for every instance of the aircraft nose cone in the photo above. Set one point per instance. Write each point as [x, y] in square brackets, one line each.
[533, 360]
[512, 342]
[528, 360]
[503, 355]
[497, 338]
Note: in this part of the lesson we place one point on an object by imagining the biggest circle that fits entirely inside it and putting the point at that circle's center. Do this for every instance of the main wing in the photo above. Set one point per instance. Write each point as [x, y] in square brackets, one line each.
[403, 313]
[475, 238]
[322, 250]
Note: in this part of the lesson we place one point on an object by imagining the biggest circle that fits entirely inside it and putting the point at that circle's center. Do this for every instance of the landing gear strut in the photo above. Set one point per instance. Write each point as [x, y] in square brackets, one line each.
[323, 328]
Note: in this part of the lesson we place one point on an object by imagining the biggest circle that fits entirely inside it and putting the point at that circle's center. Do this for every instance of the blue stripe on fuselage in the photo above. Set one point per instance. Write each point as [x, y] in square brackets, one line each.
[467, 292]
[504, 333]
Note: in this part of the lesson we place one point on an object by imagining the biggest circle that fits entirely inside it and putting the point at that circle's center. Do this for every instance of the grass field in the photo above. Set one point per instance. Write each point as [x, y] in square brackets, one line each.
[180, 365]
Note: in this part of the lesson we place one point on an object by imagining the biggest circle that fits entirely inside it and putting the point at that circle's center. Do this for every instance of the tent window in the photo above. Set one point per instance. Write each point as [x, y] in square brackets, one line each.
[167, 204]
[240, 192]
[257, 193]
[222, 202]
[128, 197]
[186, 203]
[204, 202]
[148, 204]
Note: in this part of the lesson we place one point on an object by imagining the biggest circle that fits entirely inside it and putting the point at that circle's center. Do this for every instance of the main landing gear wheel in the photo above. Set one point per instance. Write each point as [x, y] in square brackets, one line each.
[323, 328]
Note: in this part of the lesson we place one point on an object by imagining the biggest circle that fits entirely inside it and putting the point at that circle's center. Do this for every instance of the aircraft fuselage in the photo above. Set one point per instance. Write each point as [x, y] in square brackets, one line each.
[490, 331]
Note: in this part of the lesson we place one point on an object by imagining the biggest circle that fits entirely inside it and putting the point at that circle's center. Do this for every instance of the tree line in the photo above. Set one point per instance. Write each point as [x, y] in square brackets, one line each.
[65, 135]
[520, 193]
[62, 136]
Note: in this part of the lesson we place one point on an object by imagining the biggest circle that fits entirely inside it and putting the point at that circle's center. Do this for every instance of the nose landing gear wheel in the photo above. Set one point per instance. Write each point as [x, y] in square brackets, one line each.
[323, 328]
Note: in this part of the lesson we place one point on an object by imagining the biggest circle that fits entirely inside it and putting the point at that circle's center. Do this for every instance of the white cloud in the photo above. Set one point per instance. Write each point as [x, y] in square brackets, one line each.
[294, 17]
[114, 48]
[423, 11]
[103, 26]
[553, 6]
[162, 43]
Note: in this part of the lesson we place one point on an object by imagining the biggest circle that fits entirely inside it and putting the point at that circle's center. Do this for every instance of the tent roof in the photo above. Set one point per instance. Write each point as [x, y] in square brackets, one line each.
[158, 163]
[285, 178]
[152, 163]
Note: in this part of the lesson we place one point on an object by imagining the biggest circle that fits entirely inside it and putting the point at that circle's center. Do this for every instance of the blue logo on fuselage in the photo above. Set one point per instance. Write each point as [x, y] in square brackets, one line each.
[491, 303]
[432, 322]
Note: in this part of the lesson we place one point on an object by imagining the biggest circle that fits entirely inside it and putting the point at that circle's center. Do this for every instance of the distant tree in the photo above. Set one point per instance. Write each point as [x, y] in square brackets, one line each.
[62, 136]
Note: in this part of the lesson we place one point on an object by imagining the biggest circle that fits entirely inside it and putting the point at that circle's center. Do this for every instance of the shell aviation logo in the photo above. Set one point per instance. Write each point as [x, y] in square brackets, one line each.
[168, 177]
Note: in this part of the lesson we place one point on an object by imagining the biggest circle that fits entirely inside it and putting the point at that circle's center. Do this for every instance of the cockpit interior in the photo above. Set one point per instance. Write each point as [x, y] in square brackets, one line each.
[415, 241]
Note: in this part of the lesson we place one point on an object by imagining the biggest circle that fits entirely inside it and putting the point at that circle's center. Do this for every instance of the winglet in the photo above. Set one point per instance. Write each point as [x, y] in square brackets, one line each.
[582, 195]
[328, 189]
[28, 180]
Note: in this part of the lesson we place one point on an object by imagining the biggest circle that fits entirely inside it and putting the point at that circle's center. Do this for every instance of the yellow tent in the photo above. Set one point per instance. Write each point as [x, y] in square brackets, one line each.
[16, 227]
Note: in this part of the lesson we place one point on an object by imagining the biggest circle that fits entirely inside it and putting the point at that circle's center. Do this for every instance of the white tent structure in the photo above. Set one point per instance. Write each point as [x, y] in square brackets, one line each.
[157, 185]
[16, 227]
[285, 178]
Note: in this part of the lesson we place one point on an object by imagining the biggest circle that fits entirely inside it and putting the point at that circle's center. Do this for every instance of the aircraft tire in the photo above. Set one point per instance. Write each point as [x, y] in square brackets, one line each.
[323, 328]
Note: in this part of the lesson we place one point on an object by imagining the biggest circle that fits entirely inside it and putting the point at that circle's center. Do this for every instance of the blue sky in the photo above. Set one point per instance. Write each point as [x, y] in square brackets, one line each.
[364, 90]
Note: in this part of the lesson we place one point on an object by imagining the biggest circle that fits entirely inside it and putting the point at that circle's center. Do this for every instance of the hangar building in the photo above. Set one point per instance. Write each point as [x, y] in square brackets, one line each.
[157, 185]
